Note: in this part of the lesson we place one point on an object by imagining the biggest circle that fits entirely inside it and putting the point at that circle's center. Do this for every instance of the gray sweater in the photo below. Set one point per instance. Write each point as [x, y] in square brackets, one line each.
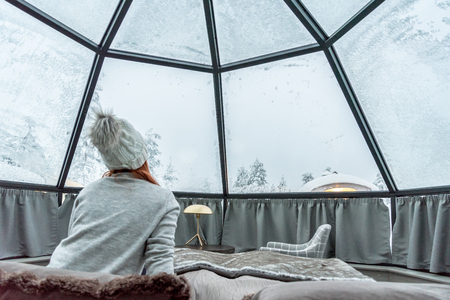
[117, 226]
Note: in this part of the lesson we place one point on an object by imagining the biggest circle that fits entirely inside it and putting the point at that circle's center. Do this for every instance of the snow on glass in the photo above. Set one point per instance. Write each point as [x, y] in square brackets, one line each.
[251, 28]
[333, 14]
[174, 29]
[43, 75]
[399, 64]
[89, 18]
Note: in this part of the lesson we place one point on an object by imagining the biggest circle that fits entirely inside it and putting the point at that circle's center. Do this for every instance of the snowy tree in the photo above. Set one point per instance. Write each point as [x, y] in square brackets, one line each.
[273, 189]
[253, 180]
[170, 176]
[307, 177]
[282, 186]
[153, 151]
[23, 150]
[242, 180]
[379, 182]
[87, 164]
[257, 174]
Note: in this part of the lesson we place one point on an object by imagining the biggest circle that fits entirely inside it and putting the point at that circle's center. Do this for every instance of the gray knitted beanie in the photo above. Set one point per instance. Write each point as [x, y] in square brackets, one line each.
[119, 144]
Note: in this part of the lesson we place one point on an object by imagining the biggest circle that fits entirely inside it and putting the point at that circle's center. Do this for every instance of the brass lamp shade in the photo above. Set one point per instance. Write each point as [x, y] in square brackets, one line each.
[198, 210]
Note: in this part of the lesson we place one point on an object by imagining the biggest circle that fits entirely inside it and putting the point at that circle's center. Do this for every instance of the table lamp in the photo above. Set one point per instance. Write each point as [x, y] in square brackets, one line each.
[198, 210]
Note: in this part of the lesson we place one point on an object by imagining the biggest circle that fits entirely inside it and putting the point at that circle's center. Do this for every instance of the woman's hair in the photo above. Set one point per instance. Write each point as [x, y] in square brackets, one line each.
[143, 172]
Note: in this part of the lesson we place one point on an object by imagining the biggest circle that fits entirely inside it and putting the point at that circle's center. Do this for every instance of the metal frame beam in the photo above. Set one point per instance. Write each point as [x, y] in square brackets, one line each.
[161, 61]
[358, 17]
[36, 187]
[360, 118]
[263, 59]
[308, 21]
[114, 25]
[306, 195]
[81, 117]
[217, 79]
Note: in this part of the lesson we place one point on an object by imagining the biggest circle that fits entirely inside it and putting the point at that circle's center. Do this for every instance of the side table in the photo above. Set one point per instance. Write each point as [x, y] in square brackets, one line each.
[208, 247]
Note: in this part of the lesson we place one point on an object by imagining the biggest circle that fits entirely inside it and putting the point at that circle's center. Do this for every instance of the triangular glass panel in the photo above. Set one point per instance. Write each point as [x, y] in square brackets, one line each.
[43, 76]
[252, 28]
[87, 17]
[398, 62]
[288, 123]
[333, 14]
[174, 29]
[174, 110]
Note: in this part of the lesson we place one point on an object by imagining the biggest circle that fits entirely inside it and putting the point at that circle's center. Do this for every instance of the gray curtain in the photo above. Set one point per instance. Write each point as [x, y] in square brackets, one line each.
[360, 227]
[28, 223]
[363, 231]
[421, 234]
[64, 212]
[210, 225]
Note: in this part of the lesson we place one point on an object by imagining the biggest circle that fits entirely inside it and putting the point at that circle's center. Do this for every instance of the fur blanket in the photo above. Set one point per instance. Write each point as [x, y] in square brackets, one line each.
[27, 285]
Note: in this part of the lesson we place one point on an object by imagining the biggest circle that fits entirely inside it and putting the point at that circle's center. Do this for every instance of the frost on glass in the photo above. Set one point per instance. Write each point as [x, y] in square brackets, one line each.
[90, 18]
[333, 14]
[287, 123]
[256, 27]
[174, 110]
[398, 60]
[42, 78]
[174, 29]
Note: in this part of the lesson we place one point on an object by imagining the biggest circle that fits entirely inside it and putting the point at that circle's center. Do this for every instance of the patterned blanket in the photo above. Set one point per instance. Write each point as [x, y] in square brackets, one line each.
[265, 264]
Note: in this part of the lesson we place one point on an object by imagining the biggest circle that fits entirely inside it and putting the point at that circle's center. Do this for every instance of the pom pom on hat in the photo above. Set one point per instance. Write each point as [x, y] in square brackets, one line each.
[119, 144]
[106, 130]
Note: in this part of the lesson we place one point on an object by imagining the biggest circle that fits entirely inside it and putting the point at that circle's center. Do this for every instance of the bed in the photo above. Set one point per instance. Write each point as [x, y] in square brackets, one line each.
[263, 275]
[232, 276]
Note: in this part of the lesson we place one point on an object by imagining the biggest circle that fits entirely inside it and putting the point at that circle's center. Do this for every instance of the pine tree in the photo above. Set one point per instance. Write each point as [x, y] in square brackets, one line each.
[282, 186]
[307, 177]
[379, 182]
[87, 164]
[242, 180]
[273, 189]
[170, 176]
[28, 153]
[153, 151]
[257, 174]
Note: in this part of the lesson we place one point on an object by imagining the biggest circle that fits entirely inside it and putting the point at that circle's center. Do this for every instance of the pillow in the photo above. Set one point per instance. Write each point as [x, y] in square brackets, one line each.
[24, 281]
[207, 285]
[352, 290]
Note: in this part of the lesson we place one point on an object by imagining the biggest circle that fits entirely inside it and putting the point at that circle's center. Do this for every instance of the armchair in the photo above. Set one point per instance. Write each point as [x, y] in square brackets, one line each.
[313, 248]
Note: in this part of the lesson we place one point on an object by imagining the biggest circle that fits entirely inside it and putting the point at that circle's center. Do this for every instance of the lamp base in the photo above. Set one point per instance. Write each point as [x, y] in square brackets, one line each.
[202, 241]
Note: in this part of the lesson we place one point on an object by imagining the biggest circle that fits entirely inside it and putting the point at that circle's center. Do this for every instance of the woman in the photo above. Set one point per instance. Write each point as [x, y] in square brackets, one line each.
[125, 220]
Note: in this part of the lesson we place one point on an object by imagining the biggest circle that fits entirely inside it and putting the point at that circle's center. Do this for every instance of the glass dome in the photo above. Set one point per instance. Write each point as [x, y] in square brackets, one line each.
[232, 97]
